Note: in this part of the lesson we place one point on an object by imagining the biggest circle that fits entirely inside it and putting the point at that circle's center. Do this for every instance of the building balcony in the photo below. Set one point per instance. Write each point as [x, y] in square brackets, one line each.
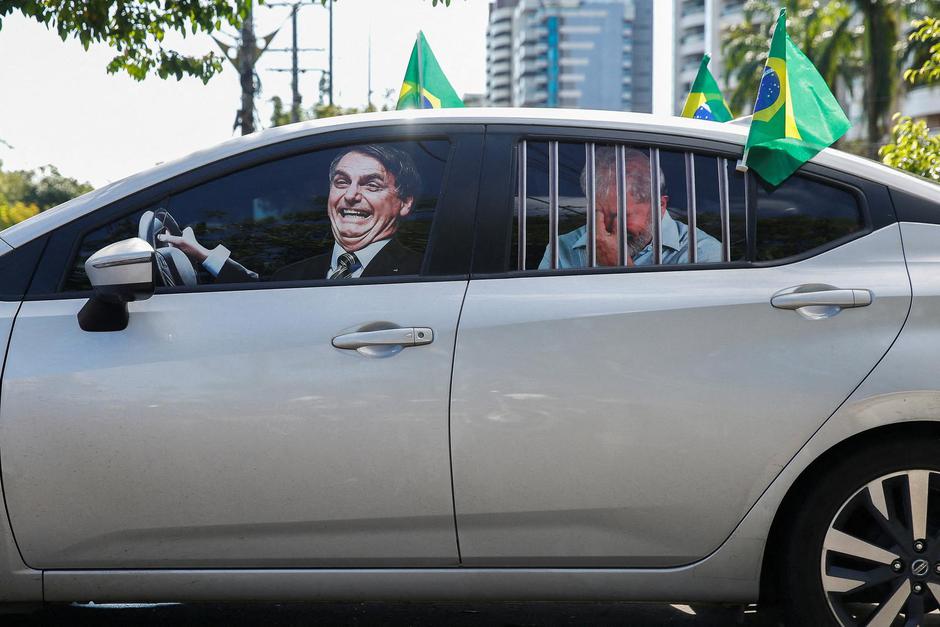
[691, 20]
[694, 48]
[499, 28]
[496, 41]
[922, 102]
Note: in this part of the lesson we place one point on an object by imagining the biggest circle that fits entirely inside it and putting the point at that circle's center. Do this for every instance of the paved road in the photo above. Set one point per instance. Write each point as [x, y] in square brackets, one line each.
[394, 614]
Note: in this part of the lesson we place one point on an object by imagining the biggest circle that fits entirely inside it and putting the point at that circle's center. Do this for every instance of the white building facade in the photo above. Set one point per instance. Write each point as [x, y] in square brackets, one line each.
[595, 54]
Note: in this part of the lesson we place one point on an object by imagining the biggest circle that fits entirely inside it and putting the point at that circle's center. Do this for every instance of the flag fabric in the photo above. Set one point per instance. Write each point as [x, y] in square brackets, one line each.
[795, 115]
[705, 101]
[425, 86]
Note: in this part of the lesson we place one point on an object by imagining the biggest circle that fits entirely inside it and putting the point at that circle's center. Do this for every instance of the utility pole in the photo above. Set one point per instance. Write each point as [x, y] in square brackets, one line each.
[248, 54]
[295, 69]
[331, 53]
[294, 83]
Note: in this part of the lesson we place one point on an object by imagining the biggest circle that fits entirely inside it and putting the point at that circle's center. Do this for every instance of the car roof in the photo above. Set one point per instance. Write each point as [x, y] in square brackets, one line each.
[735, 134]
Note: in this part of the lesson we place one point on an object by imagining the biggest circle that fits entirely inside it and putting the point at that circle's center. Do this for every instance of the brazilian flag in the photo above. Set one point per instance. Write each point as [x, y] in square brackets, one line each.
[795, 115]
[705, 101]
[425, 86]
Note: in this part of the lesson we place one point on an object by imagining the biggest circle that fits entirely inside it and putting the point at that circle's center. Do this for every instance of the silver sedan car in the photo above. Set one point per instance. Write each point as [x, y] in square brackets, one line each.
[479, 354]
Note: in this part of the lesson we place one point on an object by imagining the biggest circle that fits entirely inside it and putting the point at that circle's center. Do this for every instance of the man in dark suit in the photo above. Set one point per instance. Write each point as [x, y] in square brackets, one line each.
[372, 188]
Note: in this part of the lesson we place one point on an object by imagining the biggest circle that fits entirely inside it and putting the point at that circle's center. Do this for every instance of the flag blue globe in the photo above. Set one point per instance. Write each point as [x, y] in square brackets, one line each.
[769, 90]
[704, 113]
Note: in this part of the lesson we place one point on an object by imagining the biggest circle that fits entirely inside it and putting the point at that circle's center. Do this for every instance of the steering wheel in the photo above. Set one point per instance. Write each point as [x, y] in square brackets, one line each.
[173, 266]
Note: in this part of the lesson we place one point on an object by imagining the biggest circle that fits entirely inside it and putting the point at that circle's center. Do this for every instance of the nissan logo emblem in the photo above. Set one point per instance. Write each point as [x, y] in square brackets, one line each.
[920, 567]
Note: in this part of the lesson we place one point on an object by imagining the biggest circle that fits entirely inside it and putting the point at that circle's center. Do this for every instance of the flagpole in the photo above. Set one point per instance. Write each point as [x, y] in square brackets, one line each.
[420, 72]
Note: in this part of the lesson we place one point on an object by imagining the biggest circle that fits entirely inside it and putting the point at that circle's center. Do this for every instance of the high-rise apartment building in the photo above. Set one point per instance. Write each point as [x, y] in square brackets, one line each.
[698, 28]
[595, 54]
[499, 54]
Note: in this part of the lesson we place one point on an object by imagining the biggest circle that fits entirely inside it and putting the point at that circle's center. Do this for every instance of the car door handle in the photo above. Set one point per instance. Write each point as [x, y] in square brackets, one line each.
[402, 336]
[790, 298]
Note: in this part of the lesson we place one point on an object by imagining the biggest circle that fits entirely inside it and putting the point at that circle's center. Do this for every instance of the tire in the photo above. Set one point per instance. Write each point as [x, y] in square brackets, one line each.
[850, 557]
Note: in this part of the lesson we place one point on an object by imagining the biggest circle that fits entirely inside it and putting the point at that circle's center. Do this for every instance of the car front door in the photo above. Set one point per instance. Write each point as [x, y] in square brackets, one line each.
[629, 415]
[227, 426]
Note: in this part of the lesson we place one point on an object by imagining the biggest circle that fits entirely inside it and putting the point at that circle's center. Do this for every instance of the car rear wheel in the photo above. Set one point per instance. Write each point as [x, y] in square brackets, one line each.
[864, 547]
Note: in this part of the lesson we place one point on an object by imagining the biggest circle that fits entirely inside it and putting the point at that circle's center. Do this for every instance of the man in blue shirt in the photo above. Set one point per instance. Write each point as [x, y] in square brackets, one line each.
[572, 246]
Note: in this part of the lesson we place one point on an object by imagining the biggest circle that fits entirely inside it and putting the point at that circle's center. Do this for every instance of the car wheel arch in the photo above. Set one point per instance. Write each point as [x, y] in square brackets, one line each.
[872, 437]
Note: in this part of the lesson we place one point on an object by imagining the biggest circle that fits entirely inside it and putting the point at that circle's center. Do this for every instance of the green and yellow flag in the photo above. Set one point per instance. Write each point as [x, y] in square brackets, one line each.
[425, 86]
[795, 115]
[705, 101]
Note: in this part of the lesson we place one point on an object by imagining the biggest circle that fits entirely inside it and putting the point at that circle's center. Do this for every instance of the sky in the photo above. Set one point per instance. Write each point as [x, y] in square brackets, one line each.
[60, 106]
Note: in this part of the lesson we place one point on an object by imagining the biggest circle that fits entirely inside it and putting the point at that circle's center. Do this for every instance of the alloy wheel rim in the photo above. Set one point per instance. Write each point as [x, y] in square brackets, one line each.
[880, 562]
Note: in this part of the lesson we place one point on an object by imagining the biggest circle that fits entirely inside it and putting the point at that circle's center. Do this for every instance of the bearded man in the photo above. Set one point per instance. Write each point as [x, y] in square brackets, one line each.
[572, 246]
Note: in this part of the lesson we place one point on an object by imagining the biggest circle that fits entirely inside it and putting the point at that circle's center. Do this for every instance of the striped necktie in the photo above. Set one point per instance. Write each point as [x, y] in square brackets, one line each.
[346, 264]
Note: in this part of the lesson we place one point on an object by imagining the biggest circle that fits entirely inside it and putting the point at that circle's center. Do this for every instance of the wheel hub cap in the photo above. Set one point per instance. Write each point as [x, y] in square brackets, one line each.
[881, 554]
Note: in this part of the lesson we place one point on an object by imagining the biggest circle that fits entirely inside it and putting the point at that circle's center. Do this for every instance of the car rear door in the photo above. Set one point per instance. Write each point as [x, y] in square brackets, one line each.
[631, 415]
[223, 427]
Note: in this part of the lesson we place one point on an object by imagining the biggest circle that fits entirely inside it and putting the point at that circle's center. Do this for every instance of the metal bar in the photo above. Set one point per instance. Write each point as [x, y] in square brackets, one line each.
[522, 197]
[656, 207]
[553, 203]
[692, 215]
[724, 209]
[750, 215]
[621, 165]
[590, 185]
[331, 54]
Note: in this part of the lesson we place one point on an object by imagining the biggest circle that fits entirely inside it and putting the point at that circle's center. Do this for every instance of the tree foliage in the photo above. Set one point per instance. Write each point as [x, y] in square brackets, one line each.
[18, 211]
[926, 39]
[849, 41]
[281, 116]
[24, 193]
[136, 29]
[913, 148]
[822, 32]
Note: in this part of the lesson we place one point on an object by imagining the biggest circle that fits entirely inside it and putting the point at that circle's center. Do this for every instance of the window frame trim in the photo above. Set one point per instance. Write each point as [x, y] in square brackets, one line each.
[860, 188]
[65, 241]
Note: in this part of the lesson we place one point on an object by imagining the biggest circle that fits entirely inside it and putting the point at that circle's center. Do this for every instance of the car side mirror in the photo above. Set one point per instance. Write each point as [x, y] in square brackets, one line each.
[119, 273]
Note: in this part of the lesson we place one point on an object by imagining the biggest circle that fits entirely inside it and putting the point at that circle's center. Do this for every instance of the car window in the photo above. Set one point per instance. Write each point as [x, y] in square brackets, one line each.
[803, 214]
[553, 225]
[701, 206]
[346, 212]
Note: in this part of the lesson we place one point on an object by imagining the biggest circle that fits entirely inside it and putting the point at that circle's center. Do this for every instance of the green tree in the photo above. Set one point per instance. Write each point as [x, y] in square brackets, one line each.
[912, 147]
[281, 116]
[925, 41]
[136, 29]
[24, 193]
[821, 31]
[845, 39]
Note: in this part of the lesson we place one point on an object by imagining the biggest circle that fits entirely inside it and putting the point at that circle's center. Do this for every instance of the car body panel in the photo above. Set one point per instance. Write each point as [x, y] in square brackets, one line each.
[413, 584]
[594, 416]
[223, 429]
[18, 582]
[730, 572]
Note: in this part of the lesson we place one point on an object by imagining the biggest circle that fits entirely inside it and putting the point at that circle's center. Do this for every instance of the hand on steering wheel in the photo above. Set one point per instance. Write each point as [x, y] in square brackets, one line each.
[187, 243]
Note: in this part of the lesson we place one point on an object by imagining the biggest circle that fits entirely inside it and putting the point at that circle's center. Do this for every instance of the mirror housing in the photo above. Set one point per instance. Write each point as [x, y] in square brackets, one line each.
[119, 273]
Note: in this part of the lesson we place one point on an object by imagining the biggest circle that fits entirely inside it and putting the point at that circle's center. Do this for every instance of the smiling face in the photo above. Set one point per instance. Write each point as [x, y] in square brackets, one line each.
[364, 204]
